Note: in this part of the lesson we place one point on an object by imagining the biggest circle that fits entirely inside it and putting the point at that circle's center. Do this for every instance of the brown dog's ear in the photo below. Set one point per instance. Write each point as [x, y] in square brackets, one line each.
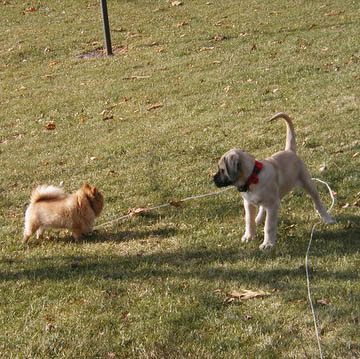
[86, 186]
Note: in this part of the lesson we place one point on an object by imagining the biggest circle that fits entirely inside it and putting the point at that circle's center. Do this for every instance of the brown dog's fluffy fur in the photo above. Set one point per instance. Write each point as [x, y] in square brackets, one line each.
[50, 207]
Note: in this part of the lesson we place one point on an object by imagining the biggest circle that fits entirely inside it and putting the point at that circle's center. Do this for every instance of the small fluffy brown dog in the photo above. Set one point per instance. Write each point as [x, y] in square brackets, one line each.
[50, 207]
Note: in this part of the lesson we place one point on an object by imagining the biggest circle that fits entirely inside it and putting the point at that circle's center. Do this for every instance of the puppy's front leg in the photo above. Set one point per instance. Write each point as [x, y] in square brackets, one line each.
[270, 227]
[250, 226]
[260, 216]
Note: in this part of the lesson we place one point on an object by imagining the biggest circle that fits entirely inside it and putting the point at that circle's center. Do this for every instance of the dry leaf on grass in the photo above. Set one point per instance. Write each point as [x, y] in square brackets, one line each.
[208, 48]
[245, 294]
[50, 126]
[125, 315]
[323, 302]
[136, 211]
[155, 107]
[176, 204]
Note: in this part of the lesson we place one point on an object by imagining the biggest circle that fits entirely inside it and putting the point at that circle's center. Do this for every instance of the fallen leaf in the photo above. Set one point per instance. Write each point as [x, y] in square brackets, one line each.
[182, 23]
[50, 126]
[111, 355]
[136, 211]
[30, 9]
[155, 107]
[207, 48]
[335, 13]
[346, 205]
[323, 302]
[136, 77]
[93, 158]
[218, 38]
[125, 315]
[176, 204]
[49, 327]
[247, 294]
[177, 3]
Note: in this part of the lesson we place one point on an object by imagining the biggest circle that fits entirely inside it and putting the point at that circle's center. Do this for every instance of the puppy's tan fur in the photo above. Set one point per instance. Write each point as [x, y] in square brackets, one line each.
[50, 207]
[279, 175]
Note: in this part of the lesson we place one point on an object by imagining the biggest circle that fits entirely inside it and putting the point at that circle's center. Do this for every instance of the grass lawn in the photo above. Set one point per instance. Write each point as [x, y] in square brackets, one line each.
[189, 80]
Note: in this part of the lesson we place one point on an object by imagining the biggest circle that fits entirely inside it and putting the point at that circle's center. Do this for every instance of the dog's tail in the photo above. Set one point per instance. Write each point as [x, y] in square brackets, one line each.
[290, 133]
[46, 193]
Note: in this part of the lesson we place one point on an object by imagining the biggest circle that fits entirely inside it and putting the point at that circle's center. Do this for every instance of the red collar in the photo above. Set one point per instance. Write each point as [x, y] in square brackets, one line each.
[253, 179]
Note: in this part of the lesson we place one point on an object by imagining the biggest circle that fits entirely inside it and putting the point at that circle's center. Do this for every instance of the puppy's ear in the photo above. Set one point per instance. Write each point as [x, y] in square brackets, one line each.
[233, 167]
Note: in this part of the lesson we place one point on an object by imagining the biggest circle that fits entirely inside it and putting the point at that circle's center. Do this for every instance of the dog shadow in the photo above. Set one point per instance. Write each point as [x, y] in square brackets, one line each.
[129, 235]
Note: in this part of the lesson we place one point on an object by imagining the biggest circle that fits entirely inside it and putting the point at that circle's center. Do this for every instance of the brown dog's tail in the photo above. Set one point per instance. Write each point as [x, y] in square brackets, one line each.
[46, 193]
[290, 133]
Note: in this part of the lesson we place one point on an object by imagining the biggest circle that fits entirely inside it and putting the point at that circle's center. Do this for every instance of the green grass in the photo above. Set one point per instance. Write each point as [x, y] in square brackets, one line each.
[155, 286]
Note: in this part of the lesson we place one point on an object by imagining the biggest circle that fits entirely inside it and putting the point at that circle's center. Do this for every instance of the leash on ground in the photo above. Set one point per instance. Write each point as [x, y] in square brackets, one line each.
[174, 203]
[307, 266]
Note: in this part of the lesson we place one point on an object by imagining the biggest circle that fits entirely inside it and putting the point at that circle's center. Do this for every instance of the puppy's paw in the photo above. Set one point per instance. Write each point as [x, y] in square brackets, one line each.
[247, 237]
[266, 245]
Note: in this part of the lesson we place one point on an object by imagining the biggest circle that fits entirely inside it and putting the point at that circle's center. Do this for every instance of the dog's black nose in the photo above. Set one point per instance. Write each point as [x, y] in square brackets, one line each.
[217, 180]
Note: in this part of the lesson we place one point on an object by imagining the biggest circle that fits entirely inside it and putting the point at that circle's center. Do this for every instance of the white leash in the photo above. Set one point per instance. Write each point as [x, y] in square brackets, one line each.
[172, 203]
[307, 268]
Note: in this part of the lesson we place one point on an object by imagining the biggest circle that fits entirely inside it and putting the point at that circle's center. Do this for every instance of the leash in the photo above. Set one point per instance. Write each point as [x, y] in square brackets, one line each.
[135, 212]
[307, 267]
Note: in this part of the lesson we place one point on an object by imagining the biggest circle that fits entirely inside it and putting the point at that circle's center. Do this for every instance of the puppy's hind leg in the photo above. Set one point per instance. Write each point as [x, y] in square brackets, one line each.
[250, 225]
[309, 187]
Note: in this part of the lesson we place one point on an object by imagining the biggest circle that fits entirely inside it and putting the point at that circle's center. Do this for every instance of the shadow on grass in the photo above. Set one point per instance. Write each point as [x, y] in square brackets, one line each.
[207, 262]
[130, 235]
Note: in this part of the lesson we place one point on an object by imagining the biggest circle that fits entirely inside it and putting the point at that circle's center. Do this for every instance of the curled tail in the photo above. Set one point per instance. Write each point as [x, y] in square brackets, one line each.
[290, 133]
[46, 193]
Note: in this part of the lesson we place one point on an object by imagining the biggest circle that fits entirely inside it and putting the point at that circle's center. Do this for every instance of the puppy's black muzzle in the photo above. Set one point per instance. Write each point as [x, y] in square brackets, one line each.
[221, 181]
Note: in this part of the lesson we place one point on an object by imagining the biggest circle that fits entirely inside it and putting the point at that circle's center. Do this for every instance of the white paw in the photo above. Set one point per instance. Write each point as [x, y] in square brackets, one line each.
[246, 238]
[266, 245]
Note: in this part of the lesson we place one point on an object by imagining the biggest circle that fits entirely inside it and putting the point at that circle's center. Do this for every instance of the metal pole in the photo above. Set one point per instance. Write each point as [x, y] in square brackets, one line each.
[106, 27]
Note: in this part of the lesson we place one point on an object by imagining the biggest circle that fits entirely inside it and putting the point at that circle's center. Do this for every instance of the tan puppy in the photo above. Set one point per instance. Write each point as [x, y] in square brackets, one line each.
[50, 207]
[263, 184]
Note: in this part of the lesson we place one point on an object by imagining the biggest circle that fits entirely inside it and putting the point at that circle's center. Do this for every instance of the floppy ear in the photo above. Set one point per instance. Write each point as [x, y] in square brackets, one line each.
[233, 167]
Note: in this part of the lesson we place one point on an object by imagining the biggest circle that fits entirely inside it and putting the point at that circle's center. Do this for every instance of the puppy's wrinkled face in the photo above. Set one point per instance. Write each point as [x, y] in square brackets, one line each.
[229, 169]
